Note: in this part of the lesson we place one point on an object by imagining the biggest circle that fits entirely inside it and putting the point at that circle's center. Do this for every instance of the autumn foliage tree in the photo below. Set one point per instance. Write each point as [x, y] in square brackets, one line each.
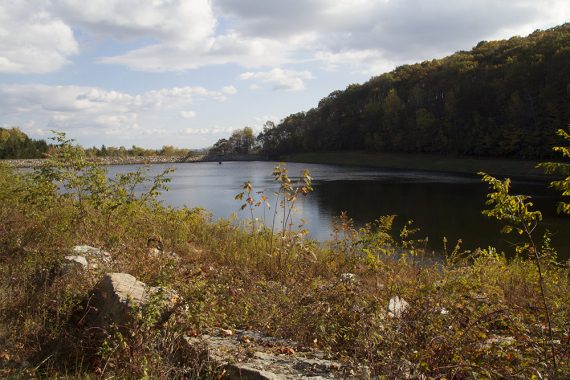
[502, 98]
[16, 144]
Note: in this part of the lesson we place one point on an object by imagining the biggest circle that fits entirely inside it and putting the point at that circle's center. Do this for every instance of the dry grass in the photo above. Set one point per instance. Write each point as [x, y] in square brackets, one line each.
[476, 315]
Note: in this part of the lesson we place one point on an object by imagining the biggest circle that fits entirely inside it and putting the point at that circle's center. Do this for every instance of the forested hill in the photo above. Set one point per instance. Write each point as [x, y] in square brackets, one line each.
[502, 98]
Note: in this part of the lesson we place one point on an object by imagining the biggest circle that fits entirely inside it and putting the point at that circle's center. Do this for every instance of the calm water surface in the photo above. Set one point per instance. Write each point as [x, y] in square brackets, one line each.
[439, 204]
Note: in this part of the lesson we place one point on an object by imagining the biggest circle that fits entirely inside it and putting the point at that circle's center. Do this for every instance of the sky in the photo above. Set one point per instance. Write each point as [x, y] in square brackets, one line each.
[189, 72]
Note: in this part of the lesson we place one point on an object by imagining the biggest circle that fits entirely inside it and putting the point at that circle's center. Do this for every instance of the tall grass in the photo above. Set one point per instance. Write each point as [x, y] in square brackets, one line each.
[473, 315]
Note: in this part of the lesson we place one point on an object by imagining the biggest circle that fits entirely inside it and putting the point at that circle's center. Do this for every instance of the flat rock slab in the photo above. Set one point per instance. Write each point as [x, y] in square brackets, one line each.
[254, 356]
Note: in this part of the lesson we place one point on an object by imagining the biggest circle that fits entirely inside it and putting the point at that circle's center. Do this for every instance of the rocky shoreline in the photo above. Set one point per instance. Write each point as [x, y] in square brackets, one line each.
[119, 300]
[37, 162]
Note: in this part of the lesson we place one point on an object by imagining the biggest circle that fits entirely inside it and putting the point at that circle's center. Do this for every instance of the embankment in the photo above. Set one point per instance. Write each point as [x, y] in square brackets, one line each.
[501, 167]
[34, 163]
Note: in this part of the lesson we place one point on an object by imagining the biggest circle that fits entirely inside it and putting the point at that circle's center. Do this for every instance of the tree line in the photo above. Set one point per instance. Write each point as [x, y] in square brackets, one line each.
[135, 151]
[15, 144]
[502, 98]
[242, 141]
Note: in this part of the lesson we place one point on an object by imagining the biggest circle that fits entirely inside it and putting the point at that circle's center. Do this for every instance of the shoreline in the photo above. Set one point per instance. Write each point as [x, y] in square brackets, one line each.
[144, 160]
[470, 166]
[37, 162]
[467, 166]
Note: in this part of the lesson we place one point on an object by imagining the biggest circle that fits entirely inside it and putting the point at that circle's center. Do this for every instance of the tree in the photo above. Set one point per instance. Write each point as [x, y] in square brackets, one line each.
[16, 144]
[563, 185]
[222, 146]
[241, 141]
[501, 98]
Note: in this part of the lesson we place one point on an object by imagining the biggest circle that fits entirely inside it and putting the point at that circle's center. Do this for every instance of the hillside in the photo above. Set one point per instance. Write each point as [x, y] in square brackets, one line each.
[500, 99]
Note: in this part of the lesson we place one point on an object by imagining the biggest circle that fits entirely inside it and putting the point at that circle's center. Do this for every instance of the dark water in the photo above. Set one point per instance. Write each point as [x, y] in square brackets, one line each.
[439, 204]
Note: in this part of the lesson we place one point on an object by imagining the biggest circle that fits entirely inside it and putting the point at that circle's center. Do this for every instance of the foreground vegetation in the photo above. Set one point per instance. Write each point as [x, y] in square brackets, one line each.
[472, 315]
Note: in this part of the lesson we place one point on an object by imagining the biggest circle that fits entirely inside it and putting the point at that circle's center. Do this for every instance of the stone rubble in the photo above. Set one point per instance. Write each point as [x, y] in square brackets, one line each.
[237, 354]
[397, 306]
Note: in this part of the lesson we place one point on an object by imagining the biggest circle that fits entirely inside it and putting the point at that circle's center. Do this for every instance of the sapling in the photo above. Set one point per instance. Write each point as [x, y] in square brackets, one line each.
[516, 214]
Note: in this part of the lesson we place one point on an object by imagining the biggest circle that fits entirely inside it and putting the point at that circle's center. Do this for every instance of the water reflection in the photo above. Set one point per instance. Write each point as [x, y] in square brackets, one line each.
[440, 204]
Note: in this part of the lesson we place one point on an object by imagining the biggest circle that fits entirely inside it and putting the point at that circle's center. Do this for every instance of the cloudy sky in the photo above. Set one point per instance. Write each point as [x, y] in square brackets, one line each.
[188, 72]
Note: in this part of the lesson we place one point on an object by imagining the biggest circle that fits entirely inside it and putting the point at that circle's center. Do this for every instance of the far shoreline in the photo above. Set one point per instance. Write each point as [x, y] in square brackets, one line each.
[470, 166]
[467, 166]
[38, 162]
[138, 160]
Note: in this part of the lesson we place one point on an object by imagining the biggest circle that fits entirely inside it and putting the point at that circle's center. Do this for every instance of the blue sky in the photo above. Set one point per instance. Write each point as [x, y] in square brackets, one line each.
[188, 72]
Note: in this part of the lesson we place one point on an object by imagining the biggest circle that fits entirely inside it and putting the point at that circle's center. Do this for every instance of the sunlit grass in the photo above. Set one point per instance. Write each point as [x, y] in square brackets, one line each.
[475, 314]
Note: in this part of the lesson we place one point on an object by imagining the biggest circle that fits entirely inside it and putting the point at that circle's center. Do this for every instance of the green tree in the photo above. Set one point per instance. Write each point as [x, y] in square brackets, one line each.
[516, 214]
[501, 98]
[563, 185]
[16, 144]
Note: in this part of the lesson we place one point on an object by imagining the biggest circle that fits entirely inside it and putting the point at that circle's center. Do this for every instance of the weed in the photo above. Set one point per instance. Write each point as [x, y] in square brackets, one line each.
[474, 314]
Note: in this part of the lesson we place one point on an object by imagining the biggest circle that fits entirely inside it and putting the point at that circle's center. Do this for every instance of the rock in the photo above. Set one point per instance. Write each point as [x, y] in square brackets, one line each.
[156, 253]
[397, 306]
[348, 278]
[95, 257]
[83, 259]
[407, 369]
[252, 355]
[76, 261]
[114, 297]
[502, 341]
[243, 371]
[92, 252]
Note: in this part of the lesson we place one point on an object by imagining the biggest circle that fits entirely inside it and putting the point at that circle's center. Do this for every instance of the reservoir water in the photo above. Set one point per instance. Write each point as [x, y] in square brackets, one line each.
[439, 204]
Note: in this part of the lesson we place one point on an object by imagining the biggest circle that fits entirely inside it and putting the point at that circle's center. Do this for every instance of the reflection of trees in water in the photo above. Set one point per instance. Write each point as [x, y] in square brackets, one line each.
[438, 209]
[452, 208]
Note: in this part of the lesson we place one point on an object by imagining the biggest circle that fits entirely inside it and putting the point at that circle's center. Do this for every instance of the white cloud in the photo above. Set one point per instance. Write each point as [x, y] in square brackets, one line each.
[179, 20]
[281, 79]
[37, 36]
[93, 110]
[387, 33]
[188, 114]
[221, 130]
[230, 90]
[177, 96]
[219, 50]
[197, 131]
[184, 32]
[33, 41]
[367, 61]
[208, 131]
